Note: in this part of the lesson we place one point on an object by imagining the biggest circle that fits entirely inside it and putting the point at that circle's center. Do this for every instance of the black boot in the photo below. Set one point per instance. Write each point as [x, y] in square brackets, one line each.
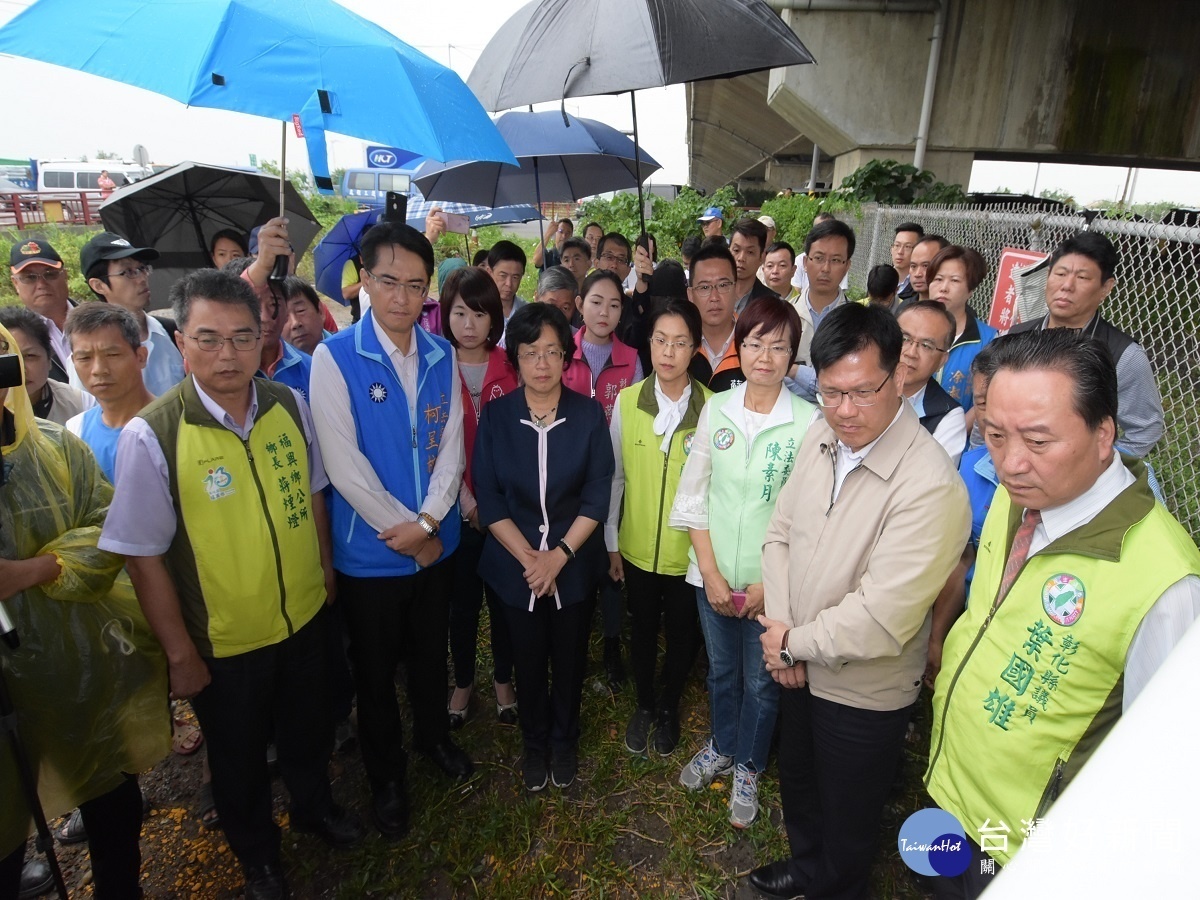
[614, 670]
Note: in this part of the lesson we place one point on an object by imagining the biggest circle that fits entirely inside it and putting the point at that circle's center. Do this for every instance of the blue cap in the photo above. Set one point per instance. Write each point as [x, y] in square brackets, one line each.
[713, 212]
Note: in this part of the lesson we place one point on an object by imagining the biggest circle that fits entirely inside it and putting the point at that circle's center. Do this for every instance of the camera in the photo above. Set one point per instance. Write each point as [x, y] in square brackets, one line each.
[10, 370]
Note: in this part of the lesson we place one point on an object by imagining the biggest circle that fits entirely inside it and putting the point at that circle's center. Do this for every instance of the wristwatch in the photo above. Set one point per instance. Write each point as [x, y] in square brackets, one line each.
[428, 524]
[784, 656]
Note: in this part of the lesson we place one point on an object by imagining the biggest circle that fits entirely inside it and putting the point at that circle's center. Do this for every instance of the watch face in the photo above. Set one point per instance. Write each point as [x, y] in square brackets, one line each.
[786, 658]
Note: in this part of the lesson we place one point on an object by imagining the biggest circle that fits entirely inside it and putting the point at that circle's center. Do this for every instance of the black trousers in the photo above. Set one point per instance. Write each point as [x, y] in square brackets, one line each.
[337, 664]
[550, 642]
[669, 601]
[390, 619]
[837, 764]
[466, 599]
[114, 828]
[278, 691]
[971, 883]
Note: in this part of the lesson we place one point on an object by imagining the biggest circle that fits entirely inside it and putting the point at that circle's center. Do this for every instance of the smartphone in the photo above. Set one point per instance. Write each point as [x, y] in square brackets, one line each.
[456, 223]
[739, 599]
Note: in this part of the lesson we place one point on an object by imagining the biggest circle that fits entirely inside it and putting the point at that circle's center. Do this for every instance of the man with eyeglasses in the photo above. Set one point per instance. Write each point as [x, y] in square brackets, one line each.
[828, 249]
[119, 273]
[862, 539]
[712, 288]
[903, 244]
[388, 410]
[220, 512]
[40, 280]
[928, 329]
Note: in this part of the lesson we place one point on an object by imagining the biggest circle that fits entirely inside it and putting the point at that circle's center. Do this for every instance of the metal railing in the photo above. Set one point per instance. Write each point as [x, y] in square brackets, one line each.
[30, 209]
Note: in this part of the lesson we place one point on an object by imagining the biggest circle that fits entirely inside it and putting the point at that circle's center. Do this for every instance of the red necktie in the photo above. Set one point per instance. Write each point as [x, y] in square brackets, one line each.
[1019, 551]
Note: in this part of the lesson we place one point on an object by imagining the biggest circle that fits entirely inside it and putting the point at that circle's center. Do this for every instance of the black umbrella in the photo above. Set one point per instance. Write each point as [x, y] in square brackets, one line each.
[625, 45]
[178, 211]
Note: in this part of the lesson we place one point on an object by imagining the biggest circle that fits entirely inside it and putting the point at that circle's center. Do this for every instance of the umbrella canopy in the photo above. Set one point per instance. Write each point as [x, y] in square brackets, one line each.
[561, 158]
[341, 243]
[309, 59]
[628, 45]
[178, 211]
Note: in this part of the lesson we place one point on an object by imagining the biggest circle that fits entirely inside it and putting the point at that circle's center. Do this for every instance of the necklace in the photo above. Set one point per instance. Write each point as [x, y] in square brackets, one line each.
[540, 421]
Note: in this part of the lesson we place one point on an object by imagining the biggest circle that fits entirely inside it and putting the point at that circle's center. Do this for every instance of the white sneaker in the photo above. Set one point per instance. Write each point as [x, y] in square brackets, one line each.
[704, 767]
[743, 805]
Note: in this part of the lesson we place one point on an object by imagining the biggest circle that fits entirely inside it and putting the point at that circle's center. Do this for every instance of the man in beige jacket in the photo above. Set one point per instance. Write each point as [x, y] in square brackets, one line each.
[864, 536]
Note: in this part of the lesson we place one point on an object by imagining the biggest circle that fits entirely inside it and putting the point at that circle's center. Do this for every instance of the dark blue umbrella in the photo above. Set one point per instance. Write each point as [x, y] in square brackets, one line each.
[342, 242]
[311, 62]
[561, 158]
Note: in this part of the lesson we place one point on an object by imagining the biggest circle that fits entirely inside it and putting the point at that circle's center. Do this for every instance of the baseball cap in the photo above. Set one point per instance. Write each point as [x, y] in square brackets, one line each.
[767, 220]
[107, 245]
[713, 212]
[35, 250]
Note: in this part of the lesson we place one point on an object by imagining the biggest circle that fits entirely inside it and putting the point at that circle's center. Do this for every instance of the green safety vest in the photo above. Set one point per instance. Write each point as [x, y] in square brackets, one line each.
[244, 559]
[1027, 691]
[746, 480]
[651, 479]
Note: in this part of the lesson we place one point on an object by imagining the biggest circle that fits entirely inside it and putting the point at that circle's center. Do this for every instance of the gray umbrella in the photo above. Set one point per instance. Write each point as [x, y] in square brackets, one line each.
[554, 49]
[178, 211]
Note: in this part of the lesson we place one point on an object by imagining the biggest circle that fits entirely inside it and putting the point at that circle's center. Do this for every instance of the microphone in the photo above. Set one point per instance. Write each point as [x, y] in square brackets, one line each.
[8, 630]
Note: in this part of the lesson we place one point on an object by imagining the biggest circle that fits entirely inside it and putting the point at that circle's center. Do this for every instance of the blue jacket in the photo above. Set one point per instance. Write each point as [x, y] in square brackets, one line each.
[294, 370]
[955, 376]
[401, 452]
[981, 479]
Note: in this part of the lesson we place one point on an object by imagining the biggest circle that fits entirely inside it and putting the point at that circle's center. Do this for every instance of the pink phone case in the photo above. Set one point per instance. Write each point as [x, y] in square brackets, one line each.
[739, 599]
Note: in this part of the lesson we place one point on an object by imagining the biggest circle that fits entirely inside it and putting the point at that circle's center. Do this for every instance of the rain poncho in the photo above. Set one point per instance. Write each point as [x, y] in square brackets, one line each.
[89, 680]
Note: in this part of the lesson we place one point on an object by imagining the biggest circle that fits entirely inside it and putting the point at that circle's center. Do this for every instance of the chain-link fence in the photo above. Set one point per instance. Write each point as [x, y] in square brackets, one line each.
[1156, 300]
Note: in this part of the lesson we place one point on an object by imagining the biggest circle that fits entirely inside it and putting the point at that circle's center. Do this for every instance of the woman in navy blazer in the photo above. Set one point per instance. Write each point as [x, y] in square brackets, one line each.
[542, 469]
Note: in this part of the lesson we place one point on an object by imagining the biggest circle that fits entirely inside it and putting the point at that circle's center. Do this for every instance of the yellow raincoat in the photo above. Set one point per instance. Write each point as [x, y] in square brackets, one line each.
[89, 680]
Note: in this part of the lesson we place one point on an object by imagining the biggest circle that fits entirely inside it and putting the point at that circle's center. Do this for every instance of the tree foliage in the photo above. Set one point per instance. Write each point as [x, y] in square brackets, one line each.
[670, 221]
[896, 184]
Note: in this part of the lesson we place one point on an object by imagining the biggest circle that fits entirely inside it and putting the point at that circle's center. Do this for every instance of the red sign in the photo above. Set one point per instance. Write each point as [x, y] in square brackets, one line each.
[298, 126]
[1004, 301]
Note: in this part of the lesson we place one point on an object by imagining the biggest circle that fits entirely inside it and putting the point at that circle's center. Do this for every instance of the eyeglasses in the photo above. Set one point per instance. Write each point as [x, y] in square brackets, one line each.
[900, 246]
[415, 290]
[49, 276]
[613, 258]
[821, 260]
[214, 342]
[663, 344]
[927, 346]
[776, 350]
[533, 356]
[135, 273]
[705, 288]
[833, 399]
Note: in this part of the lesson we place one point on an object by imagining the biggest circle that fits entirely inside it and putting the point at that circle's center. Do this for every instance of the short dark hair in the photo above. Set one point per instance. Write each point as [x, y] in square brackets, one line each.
[395, 234]
[88, 318]
[1088, 363]
[972, 261]
[602, 275]
[824, 217]
[477, 290]
[593, 225]
[614, 237]
[782, 245]
[766, 314]
[690, 247]
[915, 227]
[938, 309]
[831, 228]
[295, 286]
[1095, 247]
[751, 228]
[715, 240]
[852, 328]
[237, 266]
[575, 243]
[25, 319]
[675, 306]
[215, 286]
[882, 281]
[505, 251]
[230, 234]
[568, 223]
[932, 239]
[709, 251]
[525, 327]
[480, 257]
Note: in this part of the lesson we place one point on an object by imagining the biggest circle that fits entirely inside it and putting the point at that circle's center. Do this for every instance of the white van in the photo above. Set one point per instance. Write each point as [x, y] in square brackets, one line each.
[57, 175]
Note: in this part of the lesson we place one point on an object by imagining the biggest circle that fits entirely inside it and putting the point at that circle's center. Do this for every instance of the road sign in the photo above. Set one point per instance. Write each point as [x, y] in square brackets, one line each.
[1004, 300]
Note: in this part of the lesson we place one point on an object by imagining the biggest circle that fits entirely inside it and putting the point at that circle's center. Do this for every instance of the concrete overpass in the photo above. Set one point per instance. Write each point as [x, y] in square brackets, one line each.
[944, 82]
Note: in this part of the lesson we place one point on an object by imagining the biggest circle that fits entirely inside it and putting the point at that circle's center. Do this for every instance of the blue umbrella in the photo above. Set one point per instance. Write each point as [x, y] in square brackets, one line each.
[309, 61]
[342, 242]
[561, 158]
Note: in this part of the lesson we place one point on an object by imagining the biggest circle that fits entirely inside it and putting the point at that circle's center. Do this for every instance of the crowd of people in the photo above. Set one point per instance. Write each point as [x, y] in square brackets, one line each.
[839, 500]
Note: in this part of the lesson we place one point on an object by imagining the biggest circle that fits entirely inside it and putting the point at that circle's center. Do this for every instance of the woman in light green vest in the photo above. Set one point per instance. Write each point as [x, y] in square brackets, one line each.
[745, 445]
[653, 426]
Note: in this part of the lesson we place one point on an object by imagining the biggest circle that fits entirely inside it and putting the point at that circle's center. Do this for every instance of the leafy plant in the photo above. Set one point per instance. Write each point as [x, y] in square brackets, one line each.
[896, 184]
[670, 221]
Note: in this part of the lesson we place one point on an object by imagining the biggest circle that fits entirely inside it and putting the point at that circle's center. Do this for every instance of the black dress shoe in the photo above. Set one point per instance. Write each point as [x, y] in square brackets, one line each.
[390, 809]
[35, 878]
[265, 882]
[776, 880]
[451, 759]
[338, 828]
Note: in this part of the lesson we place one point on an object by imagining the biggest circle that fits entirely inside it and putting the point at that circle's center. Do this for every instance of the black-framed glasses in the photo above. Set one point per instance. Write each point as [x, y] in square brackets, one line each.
[211, 343]
[833, 399]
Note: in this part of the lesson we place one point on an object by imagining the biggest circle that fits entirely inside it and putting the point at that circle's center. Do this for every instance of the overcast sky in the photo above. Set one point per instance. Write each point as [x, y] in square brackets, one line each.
[57, 113]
